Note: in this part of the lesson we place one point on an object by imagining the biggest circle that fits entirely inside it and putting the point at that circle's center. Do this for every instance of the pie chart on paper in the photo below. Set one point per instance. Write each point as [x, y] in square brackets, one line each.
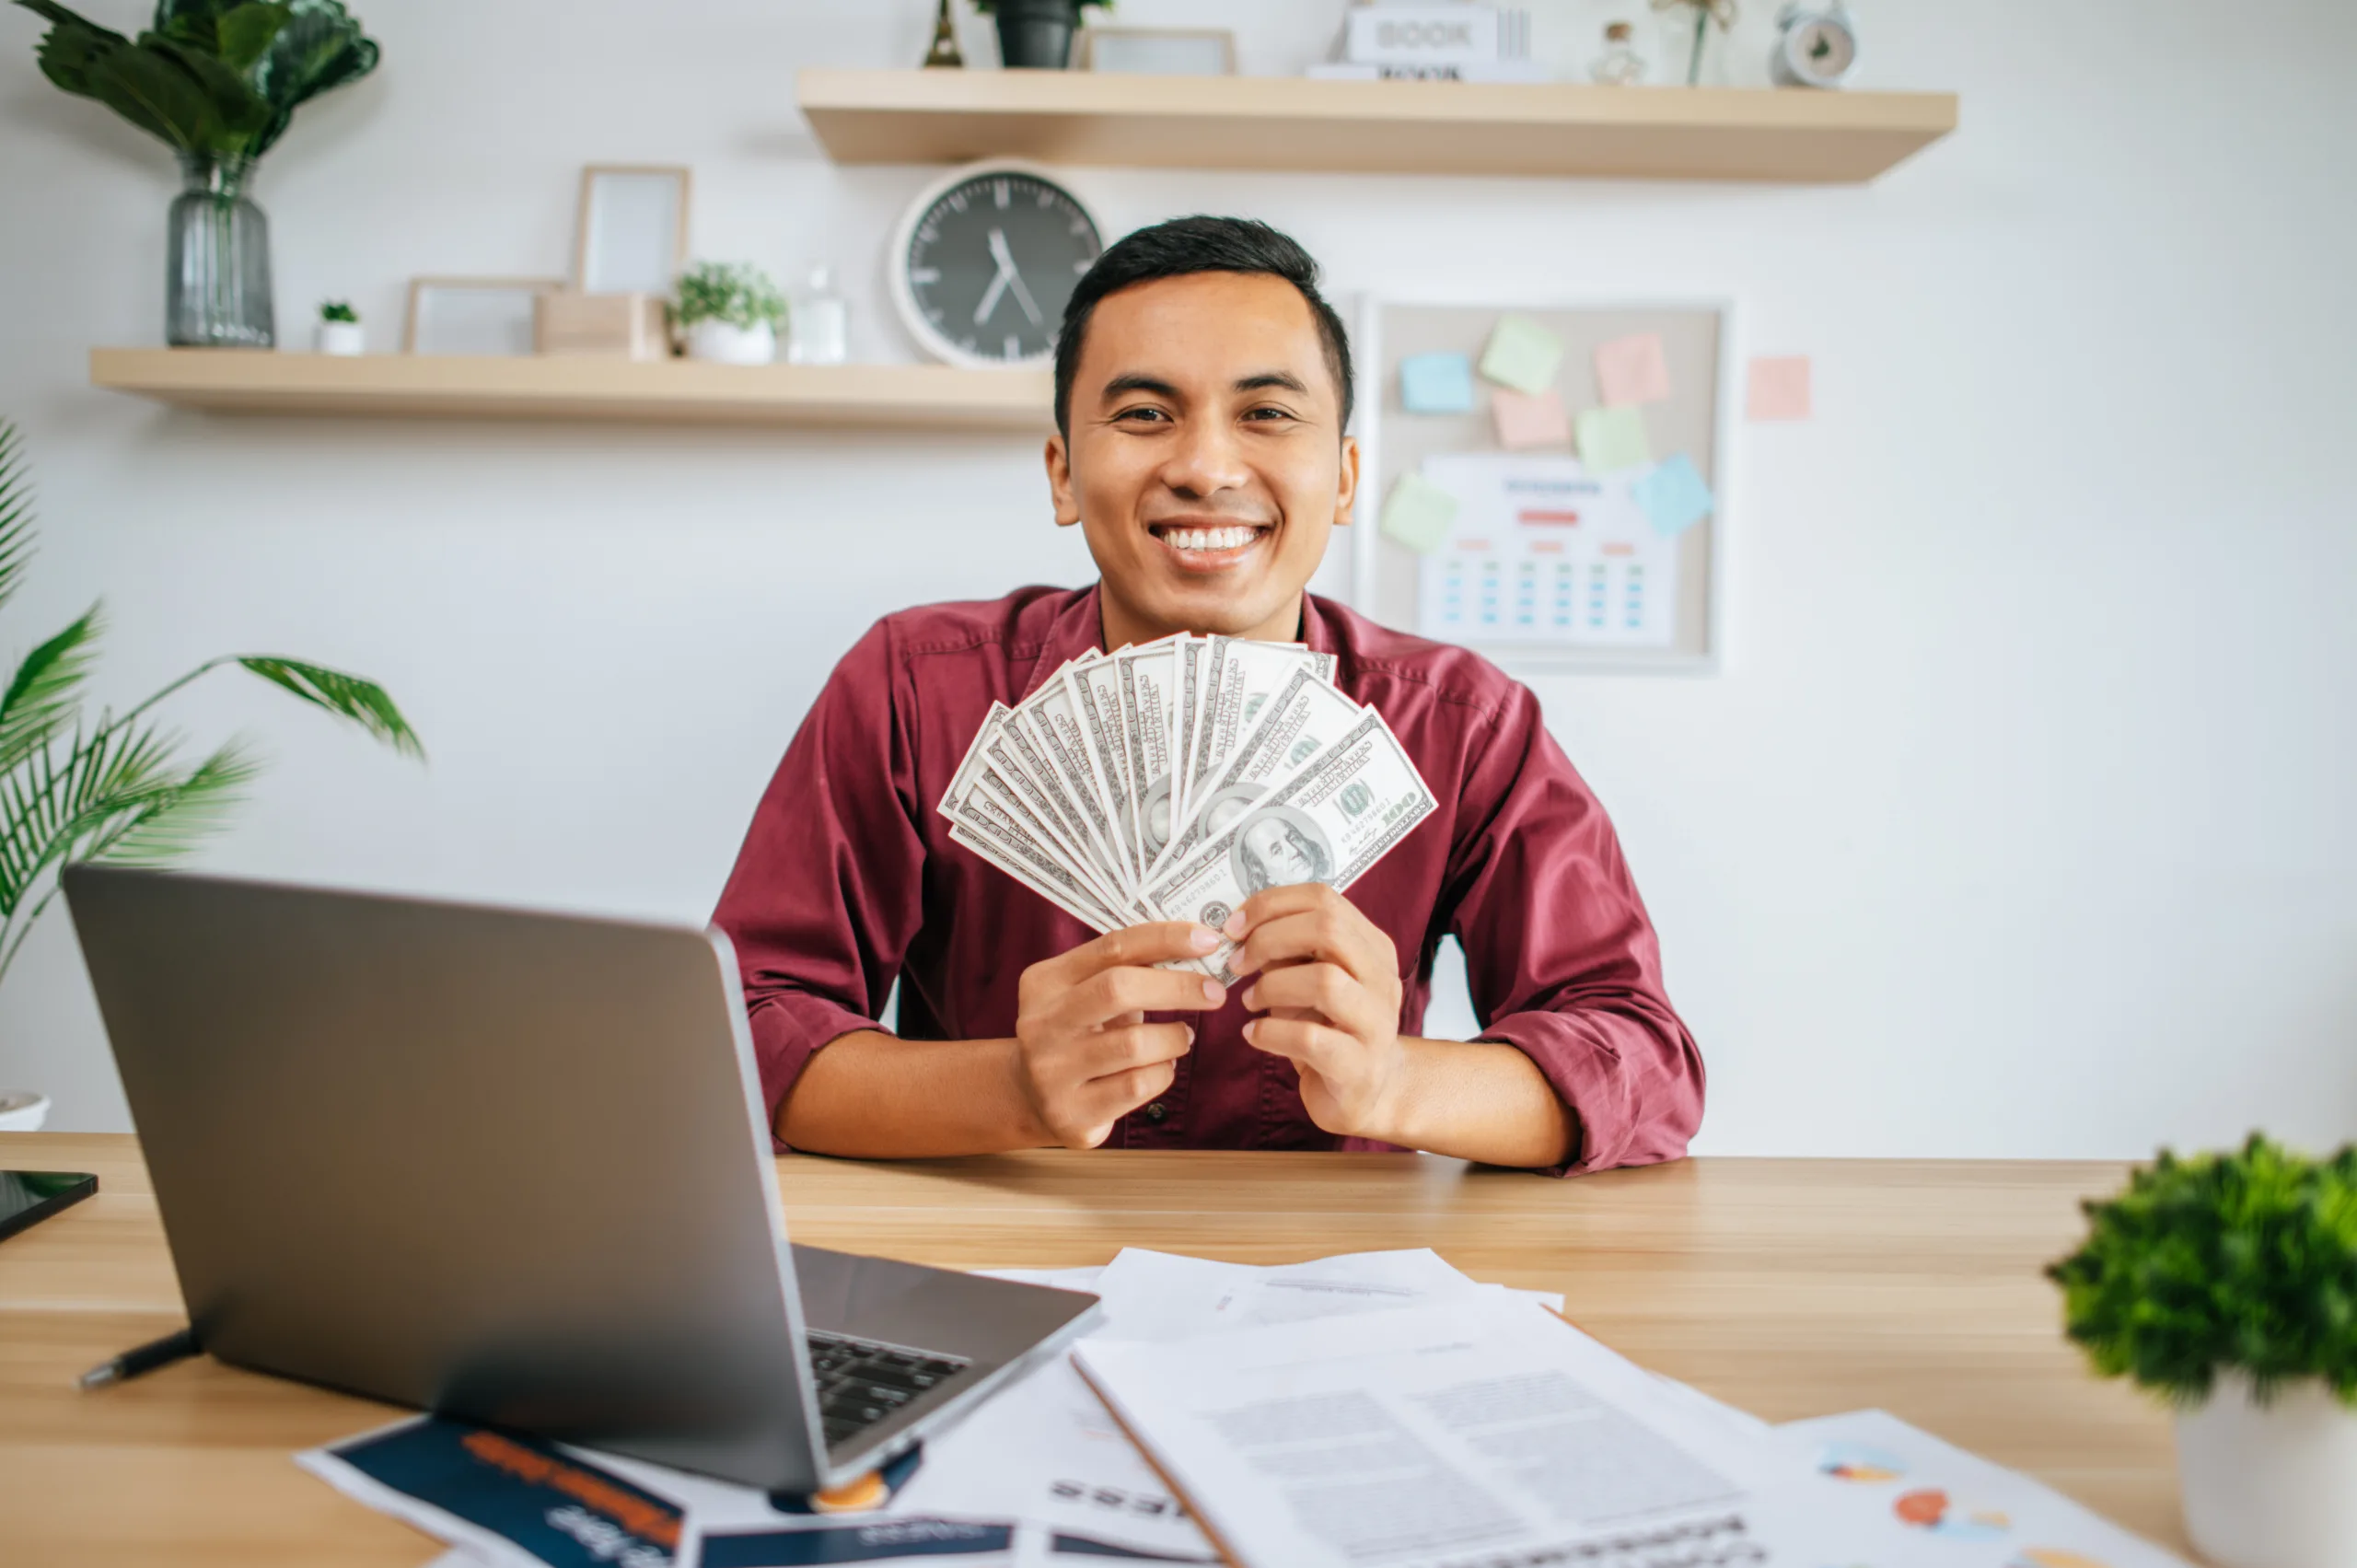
[1860, 1463]
[1932, 1509]
[2047, 1557]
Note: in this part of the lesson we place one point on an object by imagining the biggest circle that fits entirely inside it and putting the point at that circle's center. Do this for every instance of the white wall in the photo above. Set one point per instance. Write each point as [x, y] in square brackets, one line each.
[2018, 824]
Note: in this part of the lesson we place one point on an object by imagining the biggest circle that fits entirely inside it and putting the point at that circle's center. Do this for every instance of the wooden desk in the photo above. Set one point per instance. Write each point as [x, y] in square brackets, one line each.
[1788, 1287]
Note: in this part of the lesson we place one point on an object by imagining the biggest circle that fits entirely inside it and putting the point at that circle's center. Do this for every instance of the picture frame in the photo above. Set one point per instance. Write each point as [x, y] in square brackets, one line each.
[631, 235]
[480, 316]
[1156, 52]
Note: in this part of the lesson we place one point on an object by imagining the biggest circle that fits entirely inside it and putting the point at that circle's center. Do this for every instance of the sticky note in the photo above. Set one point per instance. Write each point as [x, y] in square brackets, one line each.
[1632, 370]
[1673, 495]
[1522, 355]
[1613, 438]
[1417, 514]
[1436, 383]
[1779, 388]
[1524, 421]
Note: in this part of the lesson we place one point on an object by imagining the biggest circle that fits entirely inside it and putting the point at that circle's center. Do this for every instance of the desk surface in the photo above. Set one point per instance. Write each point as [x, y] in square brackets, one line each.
[1787, 1287]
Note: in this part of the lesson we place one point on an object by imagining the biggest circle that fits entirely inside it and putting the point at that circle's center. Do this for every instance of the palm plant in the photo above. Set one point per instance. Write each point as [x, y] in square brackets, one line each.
[113, 787]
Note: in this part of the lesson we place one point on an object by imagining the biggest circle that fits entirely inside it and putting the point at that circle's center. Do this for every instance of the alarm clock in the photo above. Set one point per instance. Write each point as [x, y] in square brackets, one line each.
[1816, 48]
[985, 260]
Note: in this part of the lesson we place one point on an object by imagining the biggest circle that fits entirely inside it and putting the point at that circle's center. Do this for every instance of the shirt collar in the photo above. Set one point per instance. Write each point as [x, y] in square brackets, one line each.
[1078, 628]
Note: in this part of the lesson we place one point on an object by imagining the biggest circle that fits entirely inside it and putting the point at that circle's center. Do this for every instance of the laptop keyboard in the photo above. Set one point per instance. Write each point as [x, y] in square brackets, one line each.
[862, 1382]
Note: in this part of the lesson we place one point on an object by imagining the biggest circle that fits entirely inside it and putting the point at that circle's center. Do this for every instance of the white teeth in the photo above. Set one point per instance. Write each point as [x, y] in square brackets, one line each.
[1209, 538]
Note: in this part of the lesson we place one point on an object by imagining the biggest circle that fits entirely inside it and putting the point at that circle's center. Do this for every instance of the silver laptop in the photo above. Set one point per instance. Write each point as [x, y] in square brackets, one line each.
[513, 1169]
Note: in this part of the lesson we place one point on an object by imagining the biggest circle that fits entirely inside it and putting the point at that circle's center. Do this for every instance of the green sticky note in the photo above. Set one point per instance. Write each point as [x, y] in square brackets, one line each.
[1419, 513]
[1522, 355]
[1613, 438]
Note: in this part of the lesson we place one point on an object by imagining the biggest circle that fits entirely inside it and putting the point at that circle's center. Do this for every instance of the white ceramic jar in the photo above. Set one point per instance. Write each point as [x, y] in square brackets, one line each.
[22, 1110]
[724, 342]
[2273, 1485]
[343, 339]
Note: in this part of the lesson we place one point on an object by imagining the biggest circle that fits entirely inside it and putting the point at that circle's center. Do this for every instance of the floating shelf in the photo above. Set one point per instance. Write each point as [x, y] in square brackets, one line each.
[1293, 123]
[930, 397]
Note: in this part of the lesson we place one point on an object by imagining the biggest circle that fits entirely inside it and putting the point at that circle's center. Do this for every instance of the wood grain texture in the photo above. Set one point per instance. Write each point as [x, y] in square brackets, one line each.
[662, 391]
[1292, 123]
[1788, 1287]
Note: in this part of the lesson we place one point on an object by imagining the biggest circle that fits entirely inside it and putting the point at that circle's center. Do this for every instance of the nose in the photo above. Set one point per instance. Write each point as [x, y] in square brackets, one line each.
[1204, 460]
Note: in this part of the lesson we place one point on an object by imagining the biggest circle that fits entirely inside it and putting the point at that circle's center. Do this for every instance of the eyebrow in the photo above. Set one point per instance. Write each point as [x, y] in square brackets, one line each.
[1138, 381]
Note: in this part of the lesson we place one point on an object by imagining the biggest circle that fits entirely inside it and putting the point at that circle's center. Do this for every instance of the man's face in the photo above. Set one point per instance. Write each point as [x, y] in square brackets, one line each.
[1206, 463]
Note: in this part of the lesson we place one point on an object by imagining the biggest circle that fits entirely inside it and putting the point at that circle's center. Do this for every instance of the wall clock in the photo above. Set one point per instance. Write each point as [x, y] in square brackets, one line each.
[1818, 46]
[985, 260]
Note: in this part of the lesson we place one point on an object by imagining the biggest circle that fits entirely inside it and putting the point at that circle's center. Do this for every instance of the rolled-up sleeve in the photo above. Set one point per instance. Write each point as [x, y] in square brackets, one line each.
[826, 894]
[1563, 961]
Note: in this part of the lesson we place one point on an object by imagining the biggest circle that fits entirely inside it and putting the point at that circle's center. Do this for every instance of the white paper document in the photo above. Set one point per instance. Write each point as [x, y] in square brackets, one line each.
[1485, 1431]
[1543, 551]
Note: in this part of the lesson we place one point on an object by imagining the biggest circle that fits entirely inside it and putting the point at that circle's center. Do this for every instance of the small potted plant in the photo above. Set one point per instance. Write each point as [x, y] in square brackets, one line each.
[338, 332]
[731, 312]
[1036, 34]
[2227, 1283]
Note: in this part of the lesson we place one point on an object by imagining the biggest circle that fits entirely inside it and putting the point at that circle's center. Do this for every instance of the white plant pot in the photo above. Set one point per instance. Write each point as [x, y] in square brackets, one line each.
[2271, 1486]
[726, 343]
[345, 339]
[22, 1110]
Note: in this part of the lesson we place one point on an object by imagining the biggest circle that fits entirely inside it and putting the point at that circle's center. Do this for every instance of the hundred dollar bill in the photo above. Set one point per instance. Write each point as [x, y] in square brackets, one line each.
[1327, 823]
[1096, 689]
[1022, 762]
[1145, 675]
[1301, 721]
[1182, 721]
[1240, 677]
[991, 831]
[993, 763]
[1052, 720]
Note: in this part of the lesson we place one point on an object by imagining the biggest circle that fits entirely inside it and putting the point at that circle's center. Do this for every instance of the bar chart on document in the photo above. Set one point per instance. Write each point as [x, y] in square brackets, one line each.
[1543, 551]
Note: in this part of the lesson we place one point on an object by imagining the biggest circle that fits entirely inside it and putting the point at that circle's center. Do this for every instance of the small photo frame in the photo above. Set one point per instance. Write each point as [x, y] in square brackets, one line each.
[1158, 51]
[472, 315]
[634, 229]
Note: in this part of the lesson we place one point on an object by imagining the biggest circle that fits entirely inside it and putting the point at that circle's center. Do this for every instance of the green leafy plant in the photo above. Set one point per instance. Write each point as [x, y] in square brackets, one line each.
[217, 77]
[113, 787]
[736, 292]
[2245, 1260]
[338, 310]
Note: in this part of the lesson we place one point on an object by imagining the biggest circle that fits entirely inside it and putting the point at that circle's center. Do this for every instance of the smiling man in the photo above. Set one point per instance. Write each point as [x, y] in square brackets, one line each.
[1203, 396]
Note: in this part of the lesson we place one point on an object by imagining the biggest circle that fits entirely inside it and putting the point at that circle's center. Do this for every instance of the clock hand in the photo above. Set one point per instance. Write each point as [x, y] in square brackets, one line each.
[1005, 259]
[990, 297]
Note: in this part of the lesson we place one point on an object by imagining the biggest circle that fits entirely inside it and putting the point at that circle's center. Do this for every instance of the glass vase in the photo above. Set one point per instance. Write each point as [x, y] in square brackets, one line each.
[216, 290]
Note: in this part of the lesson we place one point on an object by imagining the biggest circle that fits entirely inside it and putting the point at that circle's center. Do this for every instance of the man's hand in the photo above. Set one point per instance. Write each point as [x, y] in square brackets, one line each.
[1329, 985]
[1085, 1056]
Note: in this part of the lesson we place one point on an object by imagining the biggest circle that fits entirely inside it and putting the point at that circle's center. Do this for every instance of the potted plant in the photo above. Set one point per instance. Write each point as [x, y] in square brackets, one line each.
[338, 332]
[1036, 34]
[731, 312]
[218, 81]
[2227, 1283]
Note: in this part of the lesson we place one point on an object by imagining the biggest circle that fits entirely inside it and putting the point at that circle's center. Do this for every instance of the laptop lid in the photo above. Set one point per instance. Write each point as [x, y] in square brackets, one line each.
[508, 1166]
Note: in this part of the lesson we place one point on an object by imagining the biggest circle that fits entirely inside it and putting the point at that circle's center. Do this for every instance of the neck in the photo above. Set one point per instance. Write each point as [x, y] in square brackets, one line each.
[1123, 627]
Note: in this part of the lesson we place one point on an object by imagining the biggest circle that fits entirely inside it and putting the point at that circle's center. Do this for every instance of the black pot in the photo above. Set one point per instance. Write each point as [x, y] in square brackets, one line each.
[1037, 33]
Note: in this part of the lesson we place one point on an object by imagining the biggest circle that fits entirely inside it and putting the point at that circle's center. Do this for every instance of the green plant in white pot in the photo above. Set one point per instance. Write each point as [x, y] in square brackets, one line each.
[2227, 1283]
[730, 312]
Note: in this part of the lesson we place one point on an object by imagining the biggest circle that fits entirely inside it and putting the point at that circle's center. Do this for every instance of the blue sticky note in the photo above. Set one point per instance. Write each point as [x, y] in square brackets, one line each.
[1436, 383]
[1674, 497]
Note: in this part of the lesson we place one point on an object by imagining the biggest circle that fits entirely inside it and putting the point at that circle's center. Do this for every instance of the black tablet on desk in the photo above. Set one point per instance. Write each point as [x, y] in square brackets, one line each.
[27, 1197]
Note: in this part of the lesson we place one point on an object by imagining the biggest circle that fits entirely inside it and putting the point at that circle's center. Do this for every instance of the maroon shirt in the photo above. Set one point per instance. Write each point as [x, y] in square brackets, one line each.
[849, 879]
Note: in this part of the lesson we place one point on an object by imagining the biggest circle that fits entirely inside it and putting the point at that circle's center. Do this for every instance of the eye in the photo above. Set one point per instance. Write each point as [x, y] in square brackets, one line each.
[1268, 413]
[1142, 413]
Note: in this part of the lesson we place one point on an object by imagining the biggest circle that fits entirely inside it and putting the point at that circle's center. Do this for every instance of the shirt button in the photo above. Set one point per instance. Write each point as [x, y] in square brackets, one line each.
[1156, 1111]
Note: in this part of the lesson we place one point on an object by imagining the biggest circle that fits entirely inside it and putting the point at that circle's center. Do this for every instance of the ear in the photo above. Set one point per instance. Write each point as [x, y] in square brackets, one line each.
[1346, 493]
[1060, 482]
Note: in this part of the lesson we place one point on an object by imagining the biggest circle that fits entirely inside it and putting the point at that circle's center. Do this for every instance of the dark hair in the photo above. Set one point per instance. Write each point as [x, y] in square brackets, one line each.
[1178, 248]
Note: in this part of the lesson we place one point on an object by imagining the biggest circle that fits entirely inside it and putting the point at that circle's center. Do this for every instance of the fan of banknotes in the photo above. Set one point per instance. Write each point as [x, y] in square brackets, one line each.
[1173, 780]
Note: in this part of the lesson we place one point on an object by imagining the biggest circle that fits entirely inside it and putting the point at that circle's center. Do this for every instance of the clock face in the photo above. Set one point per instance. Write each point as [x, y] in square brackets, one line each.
[989, 262]
[1825, 50]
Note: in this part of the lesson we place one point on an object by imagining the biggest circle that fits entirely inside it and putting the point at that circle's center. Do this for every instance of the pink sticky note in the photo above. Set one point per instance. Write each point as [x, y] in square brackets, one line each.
[1779, 388]
[1632, 370]
[1525, 420]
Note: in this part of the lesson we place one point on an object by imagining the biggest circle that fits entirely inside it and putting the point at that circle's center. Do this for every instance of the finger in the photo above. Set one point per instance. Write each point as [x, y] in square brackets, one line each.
[1115, 1051]
[1141, 947]
[1112, 992]
[1115, 1096]
[1328, 989]
[1269, 903]
[1332, 931]
[1321, 1048]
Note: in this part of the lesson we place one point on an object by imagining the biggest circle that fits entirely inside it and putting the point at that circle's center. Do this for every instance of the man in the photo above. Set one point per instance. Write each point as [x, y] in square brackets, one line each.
[1203, 390]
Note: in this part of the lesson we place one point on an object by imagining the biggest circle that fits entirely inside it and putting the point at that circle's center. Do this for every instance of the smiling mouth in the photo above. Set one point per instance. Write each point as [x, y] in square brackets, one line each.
[1202, 546]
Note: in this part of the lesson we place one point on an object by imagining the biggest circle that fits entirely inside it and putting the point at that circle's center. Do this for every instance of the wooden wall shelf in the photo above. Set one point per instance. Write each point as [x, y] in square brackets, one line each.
[928, 397]
[1288, 122]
